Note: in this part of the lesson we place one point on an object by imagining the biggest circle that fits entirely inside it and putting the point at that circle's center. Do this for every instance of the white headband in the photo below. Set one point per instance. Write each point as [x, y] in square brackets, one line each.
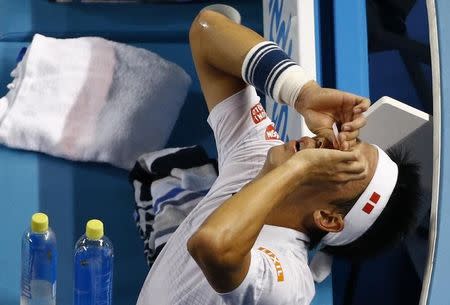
[369, 205]
[362, 215]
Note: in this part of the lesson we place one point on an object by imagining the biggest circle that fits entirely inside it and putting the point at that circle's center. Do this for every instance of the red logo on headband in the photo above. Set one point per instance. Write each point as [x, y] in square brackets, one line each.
[258, 113]
[369, 207]
[375, 197]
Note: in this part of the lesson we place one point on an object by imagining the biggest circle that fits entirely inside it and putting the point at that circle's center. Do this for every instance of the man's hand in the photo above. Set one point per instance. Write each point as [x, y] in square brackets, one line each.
[321, 107]
[328, 166]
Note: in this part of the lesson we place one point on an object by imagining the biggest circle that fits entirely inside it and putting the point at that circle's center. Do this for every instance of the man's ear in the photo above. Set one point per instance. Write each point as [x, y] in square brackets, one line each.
[328, 221]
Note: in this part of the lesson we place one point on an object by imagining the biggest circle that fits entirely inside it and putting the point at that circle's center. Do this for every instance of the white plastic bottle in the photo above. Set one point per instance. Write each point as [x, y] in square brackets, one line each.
[39, 259]
[93, 267]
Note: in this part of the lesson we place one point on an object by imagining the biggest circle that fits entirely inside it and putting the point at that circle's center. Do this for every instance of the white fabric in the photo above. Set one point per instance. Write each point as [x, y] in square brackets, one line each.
[163, 198]
[90, 99]
[242, 147]
[289, 84]
[357, 221]
[291, 283]
[197, 178]
[320, 266]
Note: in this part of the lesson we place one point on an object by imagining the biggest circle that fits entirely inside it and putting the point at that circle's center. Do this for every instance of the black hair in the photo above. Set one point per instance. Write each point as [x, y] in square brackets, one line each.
[399, 217]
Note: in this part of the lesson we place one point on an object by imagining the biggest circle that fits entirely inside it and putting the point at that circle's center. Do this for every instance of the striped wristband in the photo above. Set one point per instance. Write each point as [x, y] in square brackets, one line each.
[268, 68]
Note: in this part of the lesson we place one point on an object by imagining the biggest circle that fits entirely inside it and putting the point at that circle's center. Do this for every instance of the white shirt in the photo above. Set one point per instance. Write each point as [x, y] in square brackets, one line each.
[278, 272]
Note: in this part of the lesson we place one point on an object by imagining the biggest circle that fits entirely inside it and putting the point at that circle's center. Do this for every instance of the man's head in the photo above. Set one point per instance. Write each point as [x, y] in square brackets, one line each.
[323, 210]
[397, 219]
[318, 198]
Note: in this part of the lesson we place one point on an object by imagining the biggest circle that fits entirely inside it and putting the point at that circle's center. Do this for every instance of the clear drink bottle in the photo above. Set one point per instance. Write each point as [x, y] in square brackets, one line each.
[93, 267]
[39, 258]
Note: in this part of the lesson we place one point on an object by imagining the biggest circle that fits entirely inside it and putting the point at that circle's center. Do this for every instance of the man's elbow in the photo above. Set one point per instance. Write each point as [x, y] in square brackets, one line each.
[202, 22]
[211, 250]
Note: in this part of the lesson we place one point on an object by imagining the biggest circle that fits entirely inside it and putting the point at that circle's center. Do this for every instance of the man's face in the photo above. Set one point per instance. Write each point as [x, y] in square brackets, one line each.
[281, 153]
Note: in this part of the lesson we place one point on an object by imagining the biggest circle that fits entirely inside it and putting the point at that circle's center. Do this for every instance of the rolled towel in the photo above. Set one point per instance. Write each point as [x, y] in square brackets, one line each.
[168, 184]
[90, 99]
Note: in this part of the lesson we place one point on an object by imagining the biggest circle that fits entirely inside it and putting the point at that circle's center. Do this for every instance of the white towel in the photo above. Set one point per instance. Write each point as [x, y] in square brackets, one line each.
[91, 99]
[168, 184]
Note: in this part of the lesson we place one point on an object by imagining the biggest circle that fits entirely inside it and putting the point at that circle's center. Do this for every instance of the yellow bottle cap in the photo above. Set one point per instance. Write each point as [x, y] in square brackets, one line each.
[94, 229]
[39, 223]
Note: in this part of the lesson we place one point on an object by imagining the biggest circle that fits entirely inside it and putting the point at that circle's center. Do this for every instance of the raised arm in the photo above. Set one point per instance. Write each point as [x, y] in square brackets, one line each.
[221, 246]
[220, 47]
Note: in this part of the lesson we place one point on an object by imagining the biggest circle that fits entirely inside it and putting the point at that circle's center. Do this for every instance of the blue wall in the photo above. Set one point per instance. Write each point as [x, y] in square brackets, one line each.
[349, 69]
[439, 291]
[71, 192]
[375, 75]
[388, 75]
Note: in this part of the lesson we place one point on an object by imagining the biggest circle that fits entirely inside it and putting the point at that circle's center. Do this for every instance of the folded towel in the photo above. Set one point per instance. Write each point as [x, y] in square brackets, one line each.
[91, 99]
[168, 184]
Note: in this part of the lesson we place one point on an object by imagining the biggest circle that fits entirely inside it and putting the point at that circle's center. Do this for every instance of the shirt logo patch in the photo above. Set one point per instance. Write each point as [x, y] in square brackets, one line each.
[258, 113]
[276, 261]
[271, 133]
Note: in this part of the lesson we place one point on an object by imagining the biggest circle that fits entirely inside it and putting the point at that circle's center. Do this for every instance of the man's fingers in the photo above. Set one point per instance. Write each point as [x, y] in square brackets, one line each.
[346, 177]
[330, 165]
[343, 156]
[362, 106]
[347, 145]
[348, 136]
[347, 139]
[358, 122]
[352, 105]
[355, 167]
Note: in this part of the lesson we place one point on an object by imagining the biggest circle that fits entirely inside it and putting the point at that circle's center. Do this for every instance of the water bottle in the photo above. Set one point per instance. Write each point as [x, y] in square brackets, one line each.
[93, 267]
[39, 256]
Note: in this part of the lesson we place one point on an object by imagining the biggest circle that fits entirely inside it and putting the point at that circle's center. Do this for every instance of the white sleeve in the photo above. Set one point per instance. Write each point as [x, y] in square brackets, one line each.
[241, 122]
[271, 279]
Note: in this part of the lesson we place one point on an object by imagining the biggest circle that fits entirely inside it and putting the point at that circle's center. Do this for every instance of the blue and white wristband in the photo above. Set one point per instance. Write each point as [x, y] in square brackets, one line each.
[270, 70]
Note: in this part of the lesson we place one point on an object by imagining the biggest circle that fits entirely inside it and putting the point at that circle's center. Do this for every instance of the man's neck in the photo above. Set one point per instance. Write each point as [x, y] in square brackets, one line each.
[288, 216]
[295, 213]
